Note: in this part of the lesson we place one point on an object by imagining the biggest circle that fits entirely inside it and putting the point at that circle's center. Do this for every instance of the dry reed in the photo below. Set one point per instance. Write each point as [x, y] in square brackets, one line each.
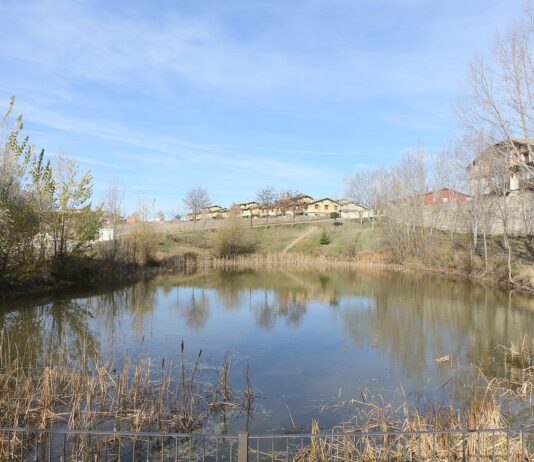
[276, 262]
[398, 433]
[519, 363]
[440, 431]
[135, 396]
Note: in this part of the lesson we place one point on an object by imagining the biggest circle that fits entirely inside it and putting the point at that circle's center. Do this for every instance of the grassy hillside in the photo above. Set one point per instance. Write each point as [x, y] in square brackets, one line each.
[347, 238]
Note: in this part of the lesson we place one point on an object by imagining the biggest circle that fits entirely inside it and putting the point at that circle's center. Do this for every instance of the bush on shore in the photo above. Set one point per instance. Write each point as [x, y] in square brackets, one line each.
[231, 239]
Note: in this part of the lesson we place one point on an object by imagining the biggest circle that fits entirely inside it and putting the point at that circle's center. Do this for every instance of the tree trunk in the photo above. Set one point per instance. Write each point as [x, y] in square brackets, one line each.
[509, 259]
[485, 251]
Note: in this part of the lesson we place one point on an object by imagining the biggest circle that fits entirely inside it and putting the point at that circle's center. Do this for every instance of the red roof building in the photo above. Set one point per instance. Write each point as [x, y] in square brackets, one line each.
[443, 196]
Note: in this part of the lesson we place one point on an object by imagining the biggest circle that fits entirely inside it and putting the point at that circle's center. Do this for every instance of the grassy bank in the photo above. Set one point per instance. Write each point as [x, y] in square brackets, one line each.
[153, 249]
[302, 246]
[87, 272]
[346, 239]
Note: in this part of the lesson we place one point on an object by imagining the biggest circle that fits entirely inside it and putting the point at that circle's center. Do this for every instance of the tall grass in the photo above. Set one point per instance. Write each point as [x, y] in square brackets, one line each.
[439, 432]
[519, 362]
[87, 394]
[275, 262]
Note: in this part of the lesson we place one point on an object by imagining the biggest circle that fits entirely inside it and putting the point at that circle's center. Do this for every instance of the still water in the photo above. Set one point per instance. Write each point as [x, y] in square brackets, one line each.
[310, 340]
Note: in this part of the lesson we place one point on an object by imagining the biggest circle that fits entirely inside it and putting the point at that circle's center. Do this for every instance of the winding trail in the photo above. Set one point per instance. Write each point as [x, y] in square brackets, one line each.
[298, 239]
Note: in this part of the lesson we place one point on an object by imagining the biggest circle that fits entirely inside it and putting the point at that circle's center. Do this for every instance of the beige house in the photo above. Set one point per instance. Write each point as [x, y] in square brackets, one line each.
[249, 209]
[351, 209]
[323, 206]
[298, 205]
[216, 211]
[212, 212]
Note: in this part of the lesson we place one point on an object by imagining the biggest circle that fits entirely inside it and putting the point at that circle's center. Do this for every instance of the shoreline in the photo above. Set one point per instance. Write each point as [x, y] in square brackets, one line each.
[251, 263]
[99, 273]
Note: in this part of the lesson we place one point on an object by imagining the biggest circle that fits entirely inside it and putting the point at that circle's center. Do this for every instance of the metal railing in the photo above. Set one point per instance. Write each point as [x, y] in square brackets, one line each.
[21, 444]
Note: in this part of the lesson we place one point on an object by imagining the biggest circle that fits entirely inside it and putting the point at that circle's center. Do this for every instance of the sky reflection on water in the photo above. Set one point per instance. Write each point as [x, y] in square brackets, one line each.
[308, 338]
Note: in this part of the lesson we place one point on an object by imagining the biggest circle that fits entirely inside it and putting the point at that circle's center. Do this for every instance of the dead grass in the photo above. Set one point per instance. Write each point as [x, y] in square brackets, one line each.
[439, 432]
[276, 262]
[519, 360]
[137, 396]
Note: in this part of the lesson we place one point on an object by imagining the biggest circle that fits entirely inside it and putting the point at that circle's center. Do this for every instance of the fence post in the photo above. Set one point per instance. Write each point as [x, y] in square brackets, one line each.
[242, 447]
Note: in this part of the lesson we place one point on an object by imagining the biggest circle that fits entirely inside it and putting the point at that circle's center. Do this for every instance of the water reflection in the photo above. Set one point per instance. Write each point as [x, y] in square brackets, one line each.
[305, 335]
[195, 310]
[39, 333]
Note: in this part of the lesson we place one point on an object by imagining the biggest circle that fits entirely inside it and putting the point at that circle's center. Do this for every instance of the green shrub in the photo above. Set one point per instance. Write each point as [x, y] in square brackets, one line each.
[325, 239]
[334, 215]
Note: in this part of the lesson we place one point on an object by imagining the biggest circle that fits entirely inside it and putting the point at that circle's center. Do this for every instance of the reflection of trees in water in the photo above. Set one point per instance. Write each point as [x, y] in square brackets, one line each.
[265, 312]
[416, 318]
[411, 317]
[285, 294]
[138, 300]
[229, 289]
[285, 304]
[40, 333]
[195, 310]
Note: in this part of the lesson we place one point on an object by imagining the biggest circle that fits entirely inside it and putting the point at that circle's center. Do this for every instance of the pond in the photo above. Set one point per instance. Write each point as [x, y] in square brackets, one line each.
[309, 340]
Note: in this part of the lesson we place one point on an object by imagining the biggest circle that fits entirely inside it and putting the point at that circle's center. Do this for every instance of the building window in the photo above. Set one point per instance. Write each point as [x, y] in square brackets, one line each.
[316, 206]
[326, 207]
[335, 207]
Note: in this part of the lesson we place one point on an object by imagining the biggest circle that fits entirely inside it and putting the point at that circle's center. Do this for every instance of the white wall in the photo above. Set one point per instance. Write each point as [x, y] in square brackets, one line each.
[106, 234]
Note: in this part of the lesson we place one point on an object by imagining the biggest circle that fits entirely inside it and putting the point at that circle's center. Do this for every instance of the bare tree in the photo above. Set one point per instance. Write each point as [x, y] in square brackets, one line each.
[497, 180]
[361, 188]
[499, 108]
[113, 202]
[402, 198]
[477, 215]
[112, 206]
[196, 201]
[291, 201]
[266, 197]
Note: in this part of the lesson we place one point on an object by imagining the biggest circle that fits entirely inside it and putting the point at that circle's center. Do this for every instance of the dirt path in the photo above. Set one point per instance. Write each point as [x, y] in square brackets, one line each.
[298, 239]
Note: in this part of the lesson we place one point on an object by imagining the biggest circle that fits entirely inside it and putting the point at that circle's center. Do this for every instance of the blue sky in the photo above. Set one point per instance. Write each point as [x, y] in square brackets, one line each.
[236, 95]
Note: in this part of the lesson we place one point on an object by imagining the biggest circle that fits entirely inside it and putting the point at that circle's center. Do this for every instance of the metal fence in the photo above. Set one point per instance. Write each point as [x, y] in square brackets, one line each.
[18, 444]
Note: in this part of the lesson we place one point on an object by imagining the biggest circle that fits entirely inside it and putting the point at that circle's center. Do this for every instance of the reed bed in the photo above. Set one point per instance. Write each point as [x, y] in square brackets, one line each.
[439, 431]
[278, 262]
[519, 362]
[136, 396]
[398, 433]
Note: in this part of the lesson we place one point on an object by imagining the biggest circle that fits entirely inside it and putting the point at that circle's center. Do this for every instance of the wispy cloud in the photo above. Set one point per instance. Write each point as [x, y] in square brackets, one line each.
[236, 93]
[170, 151]
[125, 48]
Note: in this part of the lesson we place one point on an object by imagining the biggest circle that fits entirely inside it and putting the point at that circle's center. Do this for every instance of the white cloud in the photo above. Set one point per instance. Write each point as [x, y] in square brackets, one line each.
[171, 151]
[73, 41]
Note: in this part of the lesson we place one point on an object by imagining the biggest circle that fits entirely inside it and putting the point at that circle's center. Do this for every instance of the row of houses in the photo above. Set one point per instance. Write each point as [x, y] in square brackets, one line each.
[308, 206]
[518, 177]
[302, 205]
